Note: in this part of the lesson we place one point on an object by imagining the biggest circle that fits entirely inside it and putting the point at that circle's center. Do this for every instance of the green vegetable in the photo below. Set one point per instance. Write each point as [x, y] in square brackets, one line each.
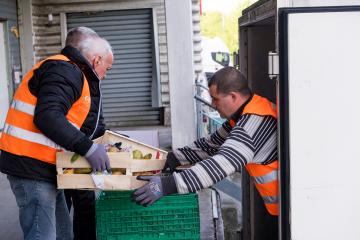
[137, 154]
[74, 157]
[147, 156]
[82, 170]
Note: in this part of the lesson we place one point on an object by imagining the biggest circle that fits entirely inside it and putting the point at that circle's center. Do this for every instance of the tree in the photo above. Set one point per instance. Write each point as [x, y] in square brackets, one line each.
[223, 26]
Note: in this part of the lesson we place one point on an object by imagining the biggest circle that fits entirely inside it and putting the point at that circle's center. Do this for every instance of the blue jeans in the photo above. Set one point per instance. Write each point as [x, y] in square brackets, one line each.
[42, 209]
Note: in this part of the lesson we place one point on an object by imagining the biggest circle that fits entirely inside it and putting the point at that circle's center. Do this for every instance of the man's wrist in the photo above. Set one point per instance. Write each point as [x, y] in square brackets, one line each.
[169, 185]
[83, 146]
[172, 161]
[91, 150]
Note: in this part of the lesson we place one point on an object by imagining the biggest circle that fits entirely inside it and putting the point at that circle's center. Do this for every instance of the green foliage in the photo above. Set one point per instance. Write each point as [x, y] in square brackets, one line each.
[223, 26]
[211, 24]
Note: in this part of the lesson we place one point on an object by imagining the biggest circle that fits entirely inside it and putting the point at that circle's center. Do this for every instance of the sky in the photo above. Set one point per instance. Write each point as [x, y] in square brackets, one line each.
[224, 6]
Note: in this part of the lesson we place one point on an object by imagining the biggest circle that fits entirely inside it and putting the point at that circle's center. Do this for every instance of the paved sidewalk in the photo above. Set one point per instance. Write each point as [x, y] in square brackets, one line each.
[9, 217]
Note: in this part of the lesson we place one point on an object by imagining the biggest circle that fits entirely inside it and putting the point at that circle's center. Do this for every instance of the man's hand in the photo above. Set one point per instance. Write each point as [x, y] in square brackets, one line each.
[150, 193]
[171, 163]
[98, 158]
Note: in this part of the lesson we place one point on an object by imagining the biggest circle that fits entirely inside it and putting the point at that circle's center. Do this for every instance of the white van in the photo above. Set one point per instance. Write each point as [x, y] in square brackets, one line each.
[215, 55]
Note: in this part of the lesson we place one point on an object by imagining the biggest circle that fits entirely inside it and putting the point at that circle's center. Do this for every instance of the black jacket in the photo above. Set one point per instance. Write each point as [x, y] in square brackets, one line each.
[57, 86]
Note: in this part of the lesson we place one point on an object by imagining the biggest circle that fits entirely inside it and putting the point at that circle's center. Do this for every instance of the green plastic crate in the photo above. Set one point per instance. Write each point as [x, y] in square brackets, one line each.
[172, 217]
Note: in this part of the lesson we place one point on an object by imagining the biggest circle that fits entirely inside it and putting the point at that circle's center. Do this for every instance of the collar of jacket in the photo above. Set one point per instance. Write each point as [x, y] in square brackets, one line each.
[75, 56]
[235, 117]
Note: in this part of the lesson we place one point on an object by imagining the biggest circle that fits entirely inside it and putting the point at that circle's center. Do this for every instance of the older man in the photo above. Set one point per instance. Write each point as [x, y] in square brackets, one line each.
[57, 106]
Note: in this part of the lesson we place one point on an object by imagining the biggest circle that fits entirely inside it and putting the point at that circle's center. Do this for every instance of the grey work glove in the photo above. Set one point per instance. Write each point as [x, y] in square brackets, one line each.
[98, 158]
[171, 163]
[150, 193]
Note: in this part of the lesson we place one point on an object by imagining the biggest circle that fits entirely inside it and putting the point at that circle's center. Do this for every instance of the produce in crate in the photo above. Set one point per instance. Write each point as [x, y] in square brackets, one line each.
[116, 147]
[137, 154]
[147, 156]
[124, 167]
[118, 171]
[74, 157]
[69, 171]
[82, 170]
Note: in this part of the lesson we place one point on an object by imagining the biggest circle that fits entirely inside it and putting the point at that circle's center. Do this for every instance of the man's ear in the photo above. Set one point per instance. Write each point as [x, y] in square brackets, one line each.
[96, 60]
[234, 95]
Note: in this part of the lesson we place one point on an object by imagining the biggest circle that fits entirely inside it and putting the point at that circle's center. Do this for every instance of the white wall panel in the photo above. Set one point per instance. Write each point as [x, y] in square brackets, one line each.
[324, 129]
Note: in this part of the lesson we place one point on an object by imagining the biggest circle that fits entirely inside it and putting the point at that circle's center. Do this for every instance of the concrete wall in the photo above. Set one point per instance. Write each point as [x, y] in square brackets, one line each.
[181, 71]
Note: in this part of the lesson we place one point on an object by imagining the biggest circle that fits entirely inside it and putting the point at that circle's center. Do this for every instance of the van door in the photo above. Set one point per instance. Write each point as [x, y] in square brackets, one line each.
[319, 122]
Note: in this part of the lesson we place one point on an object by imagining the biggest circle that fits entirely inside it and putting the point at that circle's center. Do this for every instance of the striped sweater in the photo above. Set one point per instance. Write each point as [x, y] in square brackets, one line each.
[252, 140]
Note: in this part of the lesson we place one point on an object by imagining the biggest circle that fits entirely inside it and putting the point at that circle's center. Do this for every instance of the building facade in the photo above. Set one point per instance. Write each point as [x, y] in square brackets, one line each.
[137, 91]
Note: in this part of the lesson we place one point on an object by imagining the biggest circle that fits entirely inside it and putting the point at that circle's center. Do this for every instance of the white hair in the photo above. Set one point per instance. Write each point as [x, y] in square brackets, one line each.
[88, 42]
[76, 35]
[91, 47]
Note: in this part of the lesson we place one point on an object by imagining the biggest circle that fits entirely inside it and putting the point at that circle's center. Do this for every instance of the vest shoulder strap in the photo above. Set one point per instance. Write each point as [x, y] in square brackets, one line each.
[58, 57]
[260, 106]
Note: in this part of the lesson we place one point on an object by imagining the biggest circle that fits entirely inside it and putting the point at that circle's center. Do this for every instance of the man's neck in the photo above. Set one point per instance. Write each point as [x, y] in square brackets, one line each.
[236, 115]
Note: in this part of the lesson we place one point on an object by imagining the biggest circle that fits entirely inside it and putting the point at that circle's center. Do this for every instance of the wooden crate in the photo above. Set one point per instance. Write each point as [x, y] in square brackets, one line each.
[122, 160]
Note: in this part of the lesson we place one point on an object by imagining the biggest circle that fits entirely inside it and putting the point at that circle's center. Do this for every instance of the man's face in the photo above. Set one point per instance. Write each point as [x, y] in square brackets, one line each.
[223, 103]
[102, 64]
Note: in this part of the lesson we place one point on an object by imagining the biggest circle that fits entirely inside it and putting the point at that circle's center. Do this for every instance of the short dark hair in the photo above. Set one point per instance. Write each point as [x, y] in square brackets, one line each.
[229, 79]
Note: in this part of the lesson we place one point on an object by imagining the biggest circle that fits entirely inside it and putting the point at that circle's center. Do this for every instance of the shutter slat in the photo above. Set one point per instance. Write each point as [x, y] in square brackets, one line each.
[126, 90]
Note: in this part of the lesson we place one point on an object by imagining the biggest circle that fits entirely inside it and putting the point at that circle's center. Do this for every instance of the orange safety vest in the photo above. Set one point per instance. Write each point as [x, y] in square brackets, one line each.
[265, 176]
[20, 135]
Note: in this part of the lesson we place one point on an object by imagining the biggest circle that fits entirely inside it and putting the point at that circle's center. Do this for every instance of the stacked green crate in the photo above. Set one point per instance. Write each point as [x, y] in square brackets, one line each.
[172, 217]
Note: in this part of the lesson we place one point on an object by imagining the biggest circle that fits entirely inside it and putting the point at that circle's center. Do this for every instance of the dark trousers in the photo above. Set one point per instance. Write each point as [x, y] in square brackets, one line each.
[273, 230]
[83, 203]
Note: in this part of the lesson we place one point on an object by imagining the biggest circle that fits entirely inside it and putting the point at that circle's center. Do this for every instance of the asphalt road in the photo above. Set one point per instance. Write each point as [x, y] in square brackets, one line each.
[9, 212]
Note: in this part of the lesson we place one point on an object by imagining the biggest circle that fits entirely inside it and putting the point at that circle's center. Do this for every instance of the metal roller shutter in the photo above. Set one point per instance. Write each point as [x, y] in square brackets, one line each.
[127, 88]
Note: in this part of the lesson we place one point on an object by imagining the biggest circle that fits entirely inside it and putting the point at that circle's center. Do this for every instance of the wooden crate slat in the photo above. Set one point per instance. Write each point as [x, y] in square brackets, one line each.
[147, 165]
[111, 182]
[117, 160]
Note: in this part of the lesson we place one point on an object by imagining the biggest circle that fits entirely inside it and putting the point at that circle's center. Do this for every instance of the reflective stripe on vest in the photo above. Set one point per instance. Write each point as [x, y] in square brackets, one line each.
[29, 136]
[29, 109]
[265, 176]
[22, 137]
[266, 182]
[23, 107]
